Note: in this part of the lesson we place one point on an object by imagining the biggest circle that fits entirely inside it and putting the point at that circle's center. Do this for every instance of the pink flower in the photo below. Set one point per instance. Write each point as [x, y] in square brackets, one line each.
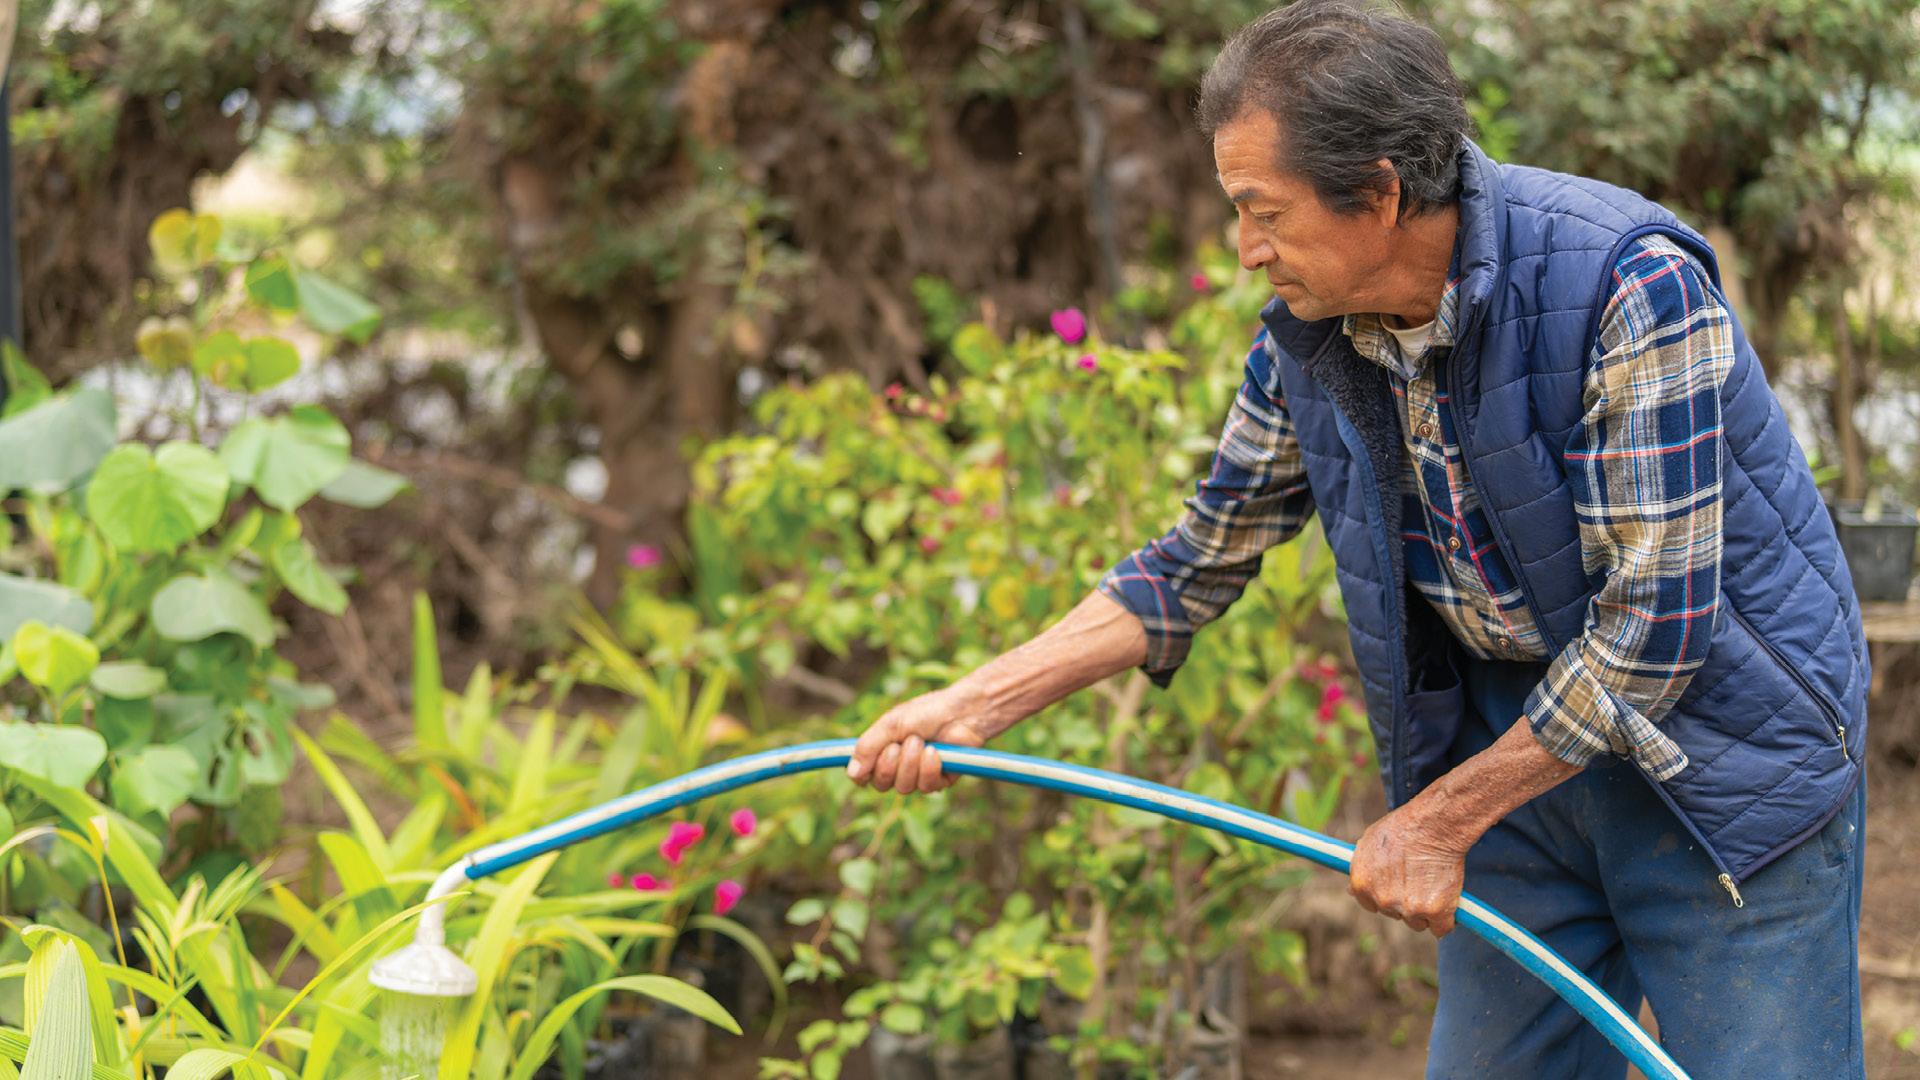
[1088, 362]
[1361, 759]
[649, 883]
[894, 390]
[1070, 324]
[725, 895]
[1063, 495]
[616, 881]
[1330, 700]
[1199, 282]
[680, 836]
[946, 496]
[641, 556]
[743, 821]
[929, 545]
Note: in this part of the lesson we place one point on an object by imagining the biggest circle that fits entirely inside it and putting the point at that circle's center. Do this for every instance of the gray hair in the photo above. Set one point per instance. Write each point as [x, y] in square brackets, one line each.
[1350, 82]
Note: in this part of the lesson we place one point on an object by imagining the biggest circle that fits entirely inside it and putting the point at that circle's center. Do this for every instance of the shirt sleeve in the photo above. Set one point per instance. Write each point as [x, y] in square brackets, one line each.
[1254, 497]
[1645, 467]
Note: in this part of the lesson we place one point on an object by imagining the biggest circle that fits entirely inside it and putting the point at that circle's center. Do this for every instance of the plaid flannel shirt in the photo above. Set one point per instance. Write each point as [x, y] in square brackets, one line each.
[1644, 465]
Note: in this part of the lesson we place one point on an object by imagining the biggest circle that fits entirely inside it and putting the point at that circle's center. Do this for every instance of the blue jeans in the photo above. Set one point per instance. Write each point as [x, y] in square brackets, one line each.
[1604, 872]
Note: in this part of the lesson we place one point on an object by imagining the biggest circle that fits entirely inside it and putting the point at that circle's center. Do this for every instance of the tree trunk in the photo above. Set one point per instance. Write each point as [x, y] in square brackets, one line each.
[1846, 398]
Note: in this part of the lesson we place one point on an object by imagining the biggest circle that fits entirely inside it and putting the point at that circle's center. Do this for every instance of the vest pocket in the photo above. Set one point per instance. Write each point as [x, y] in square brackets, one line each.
[1436, 708]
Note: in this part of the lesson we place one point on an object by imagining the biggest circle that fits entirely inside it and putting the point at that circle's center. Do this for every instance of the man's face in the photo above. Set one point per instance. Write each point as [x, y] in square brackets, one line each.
[1321, 263]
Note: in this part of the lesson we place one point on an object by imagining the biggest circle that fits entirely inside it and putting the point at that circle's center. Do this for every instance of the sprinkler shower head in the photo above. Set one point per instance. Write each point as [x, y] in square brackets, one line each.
[427, 968]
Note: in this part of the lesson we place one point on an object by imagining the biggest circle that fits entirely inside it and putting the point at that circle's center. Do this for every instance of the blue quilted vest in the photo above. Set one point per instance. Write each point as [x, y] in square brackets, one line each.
[1774, 721]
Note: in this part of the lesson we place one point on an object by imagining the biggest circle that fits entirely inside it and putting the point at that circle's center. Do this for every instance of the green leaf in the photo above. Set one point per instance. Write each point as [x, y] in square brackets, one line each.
[52, 445]
[335, 308]
[154, 779]
[221, 357]
[806, 910]
[61, 1046]
[26, 385]
[364, 486]
[126, 724]
[858, 875]
[904, 1017]
[166, 343]
[270, 362]
[193, 608]
[487, 954]
[300, 570]
[53, 658]
[58, 754]
[289, 458]
[23, 599]
[270, 282]
[157, 501]
[183, 241]
[659, 987]
[429, 692]
[128, 680]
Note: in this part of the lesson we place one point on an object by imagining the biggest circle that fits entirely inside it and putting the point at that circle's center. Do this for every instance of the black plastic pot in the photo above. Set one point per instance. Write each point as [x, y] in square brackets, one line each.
[1879, 549]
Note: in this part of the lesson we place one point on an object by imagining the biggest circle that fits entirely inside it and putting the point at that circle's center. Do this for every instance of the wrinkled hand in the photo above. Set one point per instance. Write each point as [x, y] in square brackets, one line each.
[1410, 867]
[893, 753]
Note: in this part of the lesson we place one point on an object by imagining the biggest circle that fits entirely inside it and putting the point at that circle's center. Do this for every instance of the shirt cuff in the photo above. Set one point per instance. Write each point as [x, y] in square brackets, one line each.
[1576, 718]
[1151, 599]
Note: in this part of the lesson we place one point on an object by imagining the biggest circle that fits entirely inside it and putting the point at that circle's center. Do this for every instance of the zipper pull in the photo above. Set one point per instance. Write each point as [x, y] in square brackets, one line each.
[1726, 882]
[1841, 730]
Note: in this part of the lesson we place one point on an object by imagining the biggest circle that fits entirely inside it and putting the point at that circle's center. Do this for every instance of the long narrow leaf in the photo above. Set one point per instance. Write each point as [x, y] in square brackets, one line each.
[429, 693]
[365, 828]
[672, 991]
[62, 1041]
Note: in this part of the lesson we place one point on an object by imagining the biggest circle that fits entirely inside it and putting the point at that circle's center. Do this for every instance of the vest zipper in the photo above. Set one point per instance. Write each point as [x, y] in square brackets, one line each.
[1726, 882]
[1827, 709]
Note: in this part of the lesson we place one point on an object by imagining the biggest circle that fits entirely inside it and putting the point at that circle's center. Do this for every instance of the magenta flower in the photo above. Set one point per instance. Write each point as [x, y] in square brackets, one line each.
[743, 821]
[1199, 282]
[616, 881]
[946, 496]
[725, 895]
[641, 556]
[928, 545]
[1088, 362]
[680, 836]
[894, 390]
[1070, 324]
[1330, 699]
[649, 883]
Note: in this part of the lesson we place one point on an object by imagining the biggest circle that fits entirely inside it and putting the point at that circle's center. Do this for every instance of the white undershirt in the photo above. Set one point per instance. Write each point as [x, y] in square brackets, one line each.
[1412, 340]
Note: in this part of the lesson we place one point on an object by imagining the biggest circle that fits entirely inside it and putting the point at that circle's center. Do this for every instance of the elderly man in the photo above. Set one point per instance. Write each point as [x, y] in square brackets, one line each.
[1610, 648]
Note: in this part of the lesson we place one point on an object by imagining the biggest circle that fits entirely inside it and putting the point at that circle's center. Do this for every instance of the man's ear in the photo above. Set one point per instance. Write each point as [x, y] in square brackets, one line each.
[1386, 199]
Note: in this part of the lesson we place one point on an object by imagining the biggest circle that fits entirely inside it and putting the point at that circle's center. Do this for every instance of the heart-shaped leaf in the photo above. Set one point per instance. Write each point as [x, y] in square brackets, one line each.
[57, 753]
[128, 680]
[24, 599]
[221, 357]
[300, 571]
[55, 443]
[53, 658]
[192, 608]
[157, 501]
[270, 282]
[183, 241]
[289, 458]
[270, 362]
[154, 779]
[364, 486]
[166, 343]
[335, 308]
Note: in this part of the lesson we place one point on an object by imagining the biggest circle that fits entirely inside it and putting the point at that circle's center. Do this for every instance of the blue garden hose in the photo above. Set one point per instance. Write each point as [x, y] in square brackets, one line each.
[1502, 933]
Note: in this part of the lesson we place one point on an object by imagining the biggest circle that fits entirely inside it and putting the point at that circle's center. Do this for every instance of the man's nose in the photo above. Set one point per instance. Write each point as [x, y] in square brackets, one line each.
[1255, 252]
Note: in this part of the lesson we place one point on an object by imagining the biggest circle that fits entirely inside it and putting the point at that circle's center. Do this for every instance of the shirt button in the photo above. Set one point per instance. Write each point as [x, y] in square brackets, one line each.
[1426, 431]
[1453, 543]
[1505, 643]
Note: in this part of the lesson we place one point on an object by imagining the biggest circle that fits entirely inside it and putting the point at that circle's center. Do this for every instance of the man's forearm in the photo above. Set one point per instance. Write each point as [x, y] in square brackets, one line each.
[1096, 639]
[1491, 784]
